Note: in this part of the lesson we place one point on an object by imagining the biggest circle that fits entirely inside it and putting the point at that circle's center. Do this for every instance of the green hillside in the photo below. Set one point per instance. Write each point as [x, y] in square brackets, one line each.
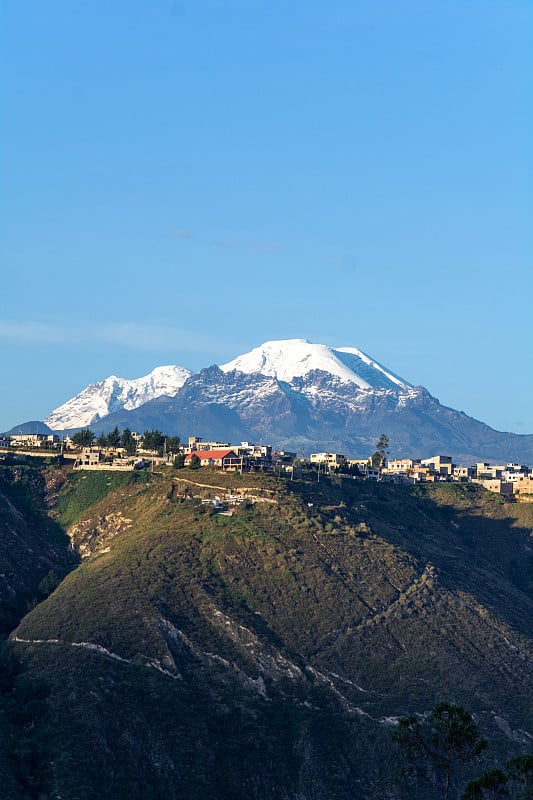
[268, 654]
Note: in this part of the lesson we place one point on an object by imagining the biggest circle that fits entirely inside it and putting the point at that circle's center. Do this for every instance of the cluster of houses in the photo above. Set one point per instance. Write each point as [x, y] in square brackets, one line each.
[28, 440]
[506, 479]
[244, 457]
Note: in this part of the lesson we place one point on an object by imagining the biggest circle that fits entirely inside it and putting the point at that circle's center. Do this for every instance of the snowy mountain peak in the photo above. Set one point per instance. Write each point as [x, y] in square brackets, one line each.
[287, 359]
[114, 393]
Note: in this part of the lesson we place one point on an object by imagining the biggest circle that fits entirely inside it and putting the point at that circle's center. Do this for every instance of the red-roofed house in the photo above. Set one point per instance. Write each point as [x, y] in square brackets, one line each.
[225, 459]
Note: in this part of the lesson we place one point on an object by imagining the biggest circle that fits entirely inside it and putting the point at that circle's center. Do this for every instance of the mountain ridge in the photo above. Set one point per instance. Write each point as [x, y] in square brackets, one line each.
[113, 393]
[297, 395]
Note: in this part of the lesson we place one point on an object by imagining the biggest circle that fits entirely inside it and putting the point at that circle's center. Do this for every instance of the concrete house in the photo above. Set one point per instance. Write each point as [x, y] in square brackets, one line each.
[441, 465]
[89, 457]
[223, 459]
[328, 459]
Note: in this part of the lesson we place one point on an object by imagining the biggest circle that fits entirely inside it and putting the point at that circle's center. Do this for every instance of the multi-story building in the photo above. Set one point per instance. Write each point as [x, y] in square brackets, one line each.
[283, 458]
[404, 465]
[463, 473]
[89, 457]
[330, 460]
[486, 471]
[523, 485]
[196, 443]
[441, 465]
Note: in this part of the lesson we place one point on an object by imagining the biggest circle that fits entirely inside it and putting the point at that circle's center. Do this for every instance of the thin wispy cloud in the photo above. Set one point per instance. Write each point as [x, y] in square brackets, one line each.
[229, 244]
[180, 234]
[251, 247]
[30, 333]
[131, 335]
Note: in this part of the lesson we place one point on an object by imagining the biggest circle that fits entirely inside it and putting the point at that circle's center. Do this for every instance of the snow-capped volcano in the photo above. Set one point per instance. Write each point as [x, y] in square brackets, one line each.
[114, 394]
[294, 394]
[294, 358]
[305, 366]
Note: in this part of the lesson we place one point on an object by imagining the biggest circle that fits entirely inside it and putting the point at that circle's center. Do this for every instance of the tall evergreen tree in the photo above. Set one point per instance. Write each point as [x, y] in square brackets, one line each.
[437, 747]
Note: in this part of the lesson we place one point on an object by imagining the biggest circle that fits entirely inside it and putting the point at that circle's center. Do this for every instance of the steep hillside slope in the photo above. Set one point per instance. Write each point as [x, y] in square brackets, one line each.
[267, 654]
[34, 552]
[34, 557]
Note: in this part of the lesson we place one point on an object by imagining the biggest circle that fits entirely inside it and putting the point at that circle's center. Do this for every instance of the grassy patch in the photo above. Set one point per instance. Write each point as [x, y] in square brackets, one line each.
[86, 488]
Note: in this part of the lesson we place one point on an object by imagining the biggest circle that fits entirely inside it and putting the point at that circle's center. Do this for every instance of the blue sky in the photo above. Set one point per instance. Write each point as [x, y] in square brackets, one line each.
[181, 181]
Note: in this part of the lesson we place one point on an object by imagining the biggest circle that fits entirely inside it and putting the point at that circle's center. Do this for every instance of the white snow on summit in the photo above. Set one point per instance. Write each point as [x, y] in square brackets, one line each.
[114, 394]
[284, 360]
[357, 360]
[287, 359]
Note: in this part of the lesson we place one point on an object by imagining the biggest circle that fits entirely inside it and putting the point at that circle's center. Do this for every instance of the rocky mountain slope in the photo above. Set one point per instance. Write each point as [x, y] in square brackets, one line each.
[298, 396]
[320, 413]
[268, 654]
[113, 394]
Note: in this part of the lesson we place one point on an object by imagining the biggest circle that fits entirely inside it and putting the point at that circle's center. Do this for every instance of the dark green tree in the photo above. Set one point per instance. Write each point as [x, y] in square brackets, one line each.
[492, 785]
[128, 442]
[102, 440]
[83, 438]
[173, 444]
[195, 462]
[379, 458]
[153, 440]
[179, 461]
[520, 774]
[437, 747]
[113, 438]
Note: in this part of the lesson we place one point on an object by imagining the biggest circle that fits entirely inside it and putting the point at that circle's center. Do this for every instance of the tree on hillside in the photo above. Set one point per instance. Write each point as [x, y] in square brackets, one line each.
[195, 462]
[520, 774]
[379, 458]
[83, 438]
[179, 461]
[492, 785]
[173, 444]
[153, 440]
[437, 747]
[353, 470]
[128, 442]
[516, 782]
[113, 438]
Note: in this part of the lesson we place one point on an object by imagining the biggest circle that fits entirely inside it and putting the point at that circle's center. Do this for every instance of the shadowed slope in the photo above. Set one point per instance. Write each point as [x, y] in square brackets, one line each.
[264, 654]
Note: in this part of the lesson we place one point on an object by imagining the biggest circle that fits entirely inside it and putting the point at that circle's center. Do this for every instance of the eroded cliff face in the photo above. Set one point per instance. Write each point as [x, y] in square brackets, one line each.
[269, 654]
[34, 551]
[90, 537]
[35, 555]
